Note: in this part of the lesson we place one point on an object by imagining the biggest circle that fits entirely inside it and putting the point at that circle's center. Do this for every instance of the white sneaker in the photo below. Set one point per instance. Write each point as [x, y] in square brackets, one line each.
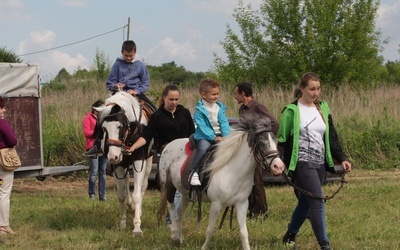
[194, 180]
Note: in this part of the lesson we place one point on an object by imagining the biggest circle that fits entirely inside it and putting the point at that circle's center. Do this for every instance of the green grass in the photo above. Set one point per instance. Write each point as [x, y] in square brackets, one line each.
[57, 214]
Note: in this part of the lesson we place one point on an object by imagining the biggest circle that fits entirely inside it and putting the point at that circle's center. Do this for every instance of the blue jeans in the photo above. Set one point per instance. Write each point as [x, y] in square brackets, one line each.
[98, 167]
[202, 146]
[310, 176]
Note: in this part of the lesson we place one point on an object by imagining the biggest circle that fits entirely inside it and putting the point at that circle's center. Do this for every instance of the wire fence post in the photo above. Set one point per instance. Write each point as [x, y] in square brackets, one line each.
[129, 26]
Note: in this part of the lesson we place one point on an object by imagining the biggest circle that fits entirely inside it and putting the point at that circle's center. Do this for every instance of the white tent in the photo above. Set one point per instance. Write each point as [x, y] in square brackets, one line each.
[19, 80]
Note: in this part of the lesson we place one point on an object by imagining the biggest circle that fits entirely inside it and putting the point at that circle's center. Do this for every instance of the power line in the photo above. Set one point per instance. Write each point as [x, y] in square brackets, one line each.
[66, 45]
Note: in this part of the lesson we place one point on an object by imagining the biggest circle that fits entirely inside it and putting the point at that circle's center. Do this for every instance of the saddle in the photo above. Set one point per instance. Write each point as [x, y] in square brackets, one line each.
[191, 150]
[148, 109]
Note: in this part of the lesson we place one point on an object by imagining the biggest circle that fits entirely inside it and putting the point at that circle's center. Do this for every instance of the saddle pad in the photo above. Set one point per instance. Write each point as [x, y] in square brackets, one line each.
[188, 151]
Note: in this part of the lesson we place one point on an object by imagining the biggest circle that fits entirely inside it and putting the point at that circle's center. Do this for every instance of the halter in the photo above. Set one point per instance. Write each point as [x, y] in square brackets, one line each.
[269, 155]
[125, 131]
[121, 141]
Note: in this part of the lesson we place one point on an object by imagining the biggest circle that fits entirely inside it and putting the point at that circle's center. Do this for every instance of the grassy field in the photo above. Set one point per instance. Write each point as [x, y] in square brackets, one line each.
[57, 214]
[366, 119]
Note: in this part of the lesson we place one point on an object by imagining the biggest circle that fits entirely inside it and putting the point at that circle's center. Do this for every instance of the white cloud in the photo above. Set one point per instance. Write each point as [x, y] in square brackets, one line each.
[387, 21]
[224, 7]
[12, 10]
[167, 50]
[50, 62]
[193, 34]
[70, 63]
[14, 4]
[75, 3]
[37, 40]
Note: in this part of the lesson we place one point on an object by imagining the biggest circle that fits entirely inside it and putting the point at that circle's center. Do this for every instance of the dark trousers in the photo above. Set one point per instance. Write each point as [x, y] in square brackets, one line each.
[147, 101]
[310, 176]
[257, 199]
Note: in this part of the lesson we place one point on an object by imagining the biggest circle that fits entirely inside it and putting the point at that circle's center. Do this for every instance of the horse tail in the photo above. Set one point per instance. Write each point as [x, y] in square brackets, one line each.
[163, 204]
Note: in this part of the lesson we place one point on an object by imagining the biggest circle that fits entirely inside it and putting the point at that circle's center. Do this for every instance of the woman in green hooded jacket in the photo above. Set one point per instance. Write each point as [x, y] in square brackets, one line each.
[309, 145]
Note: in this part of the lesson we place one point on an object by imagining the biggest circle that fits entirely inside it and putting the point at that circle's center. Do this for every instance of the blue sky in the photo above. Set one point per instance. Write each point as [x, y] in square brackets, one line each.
[185, 31]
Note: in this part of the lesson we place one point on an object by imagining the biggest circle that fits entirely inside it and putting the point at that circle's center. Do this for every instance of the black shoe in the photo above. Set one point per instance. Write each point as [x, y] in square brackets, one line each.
[93, 152]
[289, 240]
[103, 198]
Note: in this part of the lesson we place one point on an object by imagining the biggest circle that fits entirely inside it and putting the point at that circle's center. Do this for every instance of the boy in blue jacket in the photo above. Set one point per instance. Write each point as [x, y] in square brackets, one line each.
[129, 74]
[212, 124]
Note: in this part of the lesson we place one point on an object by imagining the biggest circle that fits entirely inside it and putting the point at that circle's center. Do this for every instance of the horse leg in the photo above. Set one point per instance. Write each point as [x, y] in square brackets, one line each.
[183, 204]
[122, 195]
[177, 222]
[137, 197]
[213, 216]
[174, 227]
[149, 162]
[241, 210]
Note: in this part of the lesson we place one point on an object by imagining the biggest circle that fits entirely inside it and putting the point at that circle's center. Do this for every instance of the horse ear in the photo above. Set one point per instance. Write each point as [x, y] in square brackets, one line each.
[100, 108]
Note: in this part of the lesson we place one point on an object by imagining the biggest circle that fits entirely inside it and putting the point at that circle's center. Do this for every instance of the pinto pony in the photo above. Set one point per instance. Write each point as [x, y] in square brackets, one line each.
[122, 120]
[230, 171]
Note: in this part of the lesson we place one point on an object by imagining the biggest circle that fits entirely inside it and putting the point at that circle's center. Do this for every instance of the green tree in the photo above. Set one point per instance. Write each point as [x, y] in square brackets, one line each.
[172, 73]
[101, 65]
[285, 38]
[246, 54]
[62, 77]
[8, 56]
[393, 70]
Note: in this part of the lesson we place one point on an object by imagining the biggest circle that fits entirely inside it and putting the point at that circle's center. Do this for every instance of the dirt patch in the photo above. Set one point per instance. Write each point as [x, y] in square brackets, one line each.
[66, 183]
[54, 183]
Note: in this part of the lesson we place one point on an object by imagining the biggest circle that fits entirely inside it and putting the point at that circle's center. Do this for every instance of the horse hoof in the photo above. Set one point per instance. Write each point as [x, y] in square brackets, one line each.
[176, 243]
[137, 234]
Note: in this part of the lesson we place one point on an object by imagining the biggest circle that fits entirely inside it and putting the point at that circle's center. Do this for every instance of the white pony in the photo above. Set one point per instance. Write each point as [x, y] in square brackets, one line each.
[122, 121]
[230, 170]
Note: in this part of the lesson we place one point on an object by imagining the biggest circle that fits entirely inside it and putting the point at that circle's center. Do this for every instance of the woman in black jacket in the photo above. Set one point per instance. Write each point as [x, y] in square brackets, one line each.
[171, 121]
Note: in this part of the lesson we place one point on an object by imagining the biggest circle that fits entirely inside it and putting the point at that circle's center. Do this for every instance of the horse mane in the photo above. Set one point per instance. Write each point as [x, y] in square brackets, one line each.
[249, 125]
[225, 150]
[121, 101]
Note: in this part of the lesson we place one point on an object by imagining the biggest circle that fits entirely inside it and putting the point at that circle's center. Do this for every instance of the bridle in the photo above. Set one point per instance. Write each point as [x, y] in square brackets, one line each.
[261, 157]
[126, 131]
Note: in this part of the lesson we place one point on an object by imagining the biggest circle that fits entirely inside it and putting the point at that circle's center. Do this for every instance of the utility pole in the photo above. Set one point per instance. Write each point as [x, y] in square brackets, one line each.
[129, 26]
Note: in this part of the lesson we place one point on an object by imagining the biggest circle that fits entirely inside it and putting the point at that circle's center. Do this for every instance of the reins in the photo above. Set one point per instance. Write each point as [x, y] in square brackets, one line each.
[137, 129]
[312, 195]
